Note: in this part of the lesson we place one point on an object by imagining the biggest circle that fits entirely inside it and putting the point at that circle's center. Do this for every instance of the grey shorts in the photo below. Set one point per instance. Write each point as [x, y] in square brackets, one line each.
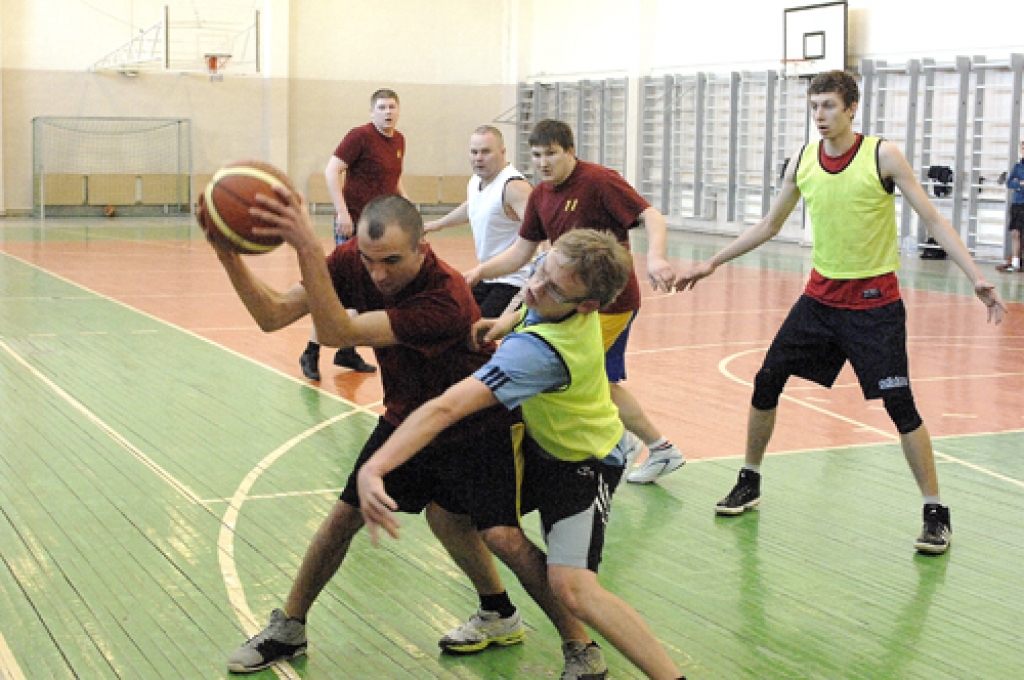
[574, 500]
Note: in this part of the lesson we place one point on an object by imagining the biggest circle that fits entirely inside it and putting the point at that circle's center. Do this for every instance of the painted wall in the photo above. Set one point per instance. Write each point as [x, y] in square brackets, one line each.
[454, 62]
[576, 38]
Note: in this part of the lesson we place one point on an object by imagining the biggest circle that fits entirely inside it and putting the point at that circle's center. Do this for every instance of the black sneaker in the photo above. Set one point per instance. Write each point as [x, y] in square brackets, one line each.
[937, 531]
[745, 495]
[310, 364]
[281, 640]
[348, 357]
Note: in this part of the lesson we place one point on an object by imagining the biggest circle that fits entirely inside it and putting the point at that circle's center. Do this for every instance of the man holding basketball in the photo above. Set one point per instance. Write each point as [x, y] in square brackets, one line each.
[416, 312]
[366, 164]
[851, 308]
[574, 194]
[494, 207]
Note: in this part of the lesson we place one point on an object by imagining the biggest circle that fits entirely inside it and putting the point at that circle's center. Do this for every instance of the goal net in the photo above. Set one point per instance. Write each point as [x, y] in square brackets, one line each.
[93, 166]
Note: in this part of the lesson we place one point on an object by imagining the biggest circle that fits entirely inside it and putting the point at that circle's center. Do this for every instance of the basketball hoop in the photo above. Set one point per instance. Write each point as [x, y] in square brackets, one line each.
[215, 63]
[799, 68]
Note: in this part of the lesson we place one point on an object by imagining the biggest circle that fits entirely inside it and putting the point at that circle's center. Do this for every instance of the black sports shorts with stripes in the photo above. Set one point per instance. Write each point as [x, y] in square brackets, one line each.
[477, 475]
[816, 340]
[574, 500]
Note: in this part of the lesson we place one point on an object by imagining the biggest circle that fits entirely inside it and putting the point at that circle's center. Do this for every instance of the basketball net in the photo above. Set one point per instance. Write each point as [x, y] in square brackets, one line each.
[215, 64]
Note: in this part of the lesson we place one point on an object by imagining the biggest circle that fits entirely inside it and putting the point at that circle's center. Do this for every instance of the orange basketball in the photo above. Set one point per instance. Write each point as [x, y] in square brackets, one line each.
[226, 202]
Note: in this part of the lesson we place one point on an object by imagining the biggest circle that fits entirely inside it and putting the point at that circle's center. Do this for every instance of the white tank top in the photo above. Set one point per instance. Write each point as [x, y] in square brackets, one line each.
[493, 230]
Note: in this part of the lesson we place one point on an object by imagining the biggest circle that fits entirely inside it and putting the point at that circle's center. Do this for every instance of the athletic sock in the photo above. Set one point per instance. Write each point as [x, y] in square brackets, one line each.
[752, 468]
[660, 445]
[932, 500]
[498, 603]
[1016, 262]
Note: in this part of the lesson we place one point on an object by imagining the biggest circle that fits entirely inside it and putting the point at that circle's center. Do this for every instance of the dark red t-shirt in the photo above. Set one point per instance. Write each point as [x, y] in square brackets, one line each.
[374, 163]
[431, 318]
[591, 197]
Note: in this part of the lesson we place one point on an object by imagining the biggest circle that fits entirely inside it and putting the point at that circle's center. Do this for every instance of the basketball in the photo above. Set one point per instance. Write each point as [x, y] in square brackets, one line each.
[226, 201]
[110, 211]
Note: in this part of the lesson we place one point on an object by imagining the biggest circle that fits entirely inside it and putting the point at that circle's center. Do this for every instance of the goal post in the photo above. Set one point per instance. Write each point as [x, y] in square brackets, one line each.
[139, 166]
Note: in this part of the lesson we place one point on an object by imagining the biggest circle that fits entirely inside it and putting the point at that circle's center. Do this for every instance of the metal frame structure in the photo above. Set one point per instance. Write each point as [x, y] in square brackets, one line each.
[183, 46]
[596, 110]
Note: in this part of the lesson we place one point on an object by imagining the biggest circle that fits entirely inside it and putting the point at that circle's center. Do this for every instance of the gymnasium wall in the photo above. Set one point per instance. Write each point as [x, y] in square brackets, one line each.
[575, 39]
[448, 62]
[454, 63]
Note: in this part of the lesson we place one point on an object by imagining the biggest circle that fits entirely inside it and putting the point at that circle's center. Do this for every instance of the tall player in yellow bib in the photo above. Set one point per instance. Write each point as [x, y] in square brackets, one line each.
[851, 308]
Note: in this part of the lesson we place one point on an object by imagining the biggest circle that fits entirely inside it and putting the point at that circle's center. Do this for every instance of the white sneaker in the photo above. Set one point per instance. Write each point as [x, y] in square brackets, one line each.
[484, 628]
[583, 662]
[281, 640]
[661, 461]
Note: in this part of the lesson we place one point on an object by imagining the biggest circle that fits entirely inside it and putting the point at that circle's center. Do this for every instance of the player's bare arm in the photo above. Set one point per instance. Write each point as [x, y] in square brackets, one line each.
[401, 190]
[517, 193]
[517, 255]
[271, 309]
[288, 217]
[659, 271]
[457, 216]
[419, 429]
[492, 330]
[763, 231]
[333, 175]
[893, 165]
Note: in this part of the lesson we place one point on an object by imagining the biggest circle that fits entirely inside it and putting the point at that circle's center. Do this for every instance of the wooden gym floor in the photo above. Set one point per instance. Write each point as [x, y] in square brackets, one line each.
[163, 466]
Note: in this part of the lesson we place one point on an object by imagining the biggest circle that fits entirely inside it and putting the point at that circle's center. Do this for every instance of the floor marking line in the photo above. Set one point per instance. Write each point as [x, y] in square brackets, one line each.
[107, 429]
[723, 367]
[274, 496]
[9, 669]
[168, 324]
[226, 539]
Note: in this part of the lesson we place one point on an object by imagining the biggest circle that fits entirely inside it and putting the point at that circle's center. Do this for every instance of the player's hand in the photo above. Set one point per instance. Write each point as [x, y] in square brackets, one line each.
[986, 292]
[480, 332]
[432, 225]
[375, 505]
[285, 215]
[473, 276]
[660, 274]
[690, 278]
[343, 227]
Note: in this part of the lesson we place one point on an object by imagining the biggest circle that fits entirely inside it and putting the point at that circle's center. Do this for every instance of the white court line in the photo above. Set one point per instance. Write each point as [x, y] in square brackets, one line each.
[275, 496]
[723, 368]
[110, 432]
[226, 540]
[9, 669]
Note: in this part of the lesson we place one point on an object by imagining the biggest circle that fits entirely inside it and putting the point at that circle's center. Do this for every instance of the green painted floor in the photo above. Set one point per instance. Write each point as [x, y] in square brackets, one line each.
[127, 447]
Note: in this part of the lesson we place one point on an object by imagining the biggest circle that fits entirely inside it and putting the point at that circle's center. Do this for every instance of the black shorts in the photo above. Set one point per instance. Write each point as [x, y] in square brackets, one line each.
[478, 475]
[493, 298]
[1016, 217]
[816, 340]
[574, 500]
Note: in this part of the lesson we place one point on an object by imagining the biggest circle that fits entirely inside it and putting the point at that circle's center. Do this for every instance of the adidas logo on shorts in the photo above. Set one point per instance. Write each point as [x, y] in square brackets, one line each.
[892, 383]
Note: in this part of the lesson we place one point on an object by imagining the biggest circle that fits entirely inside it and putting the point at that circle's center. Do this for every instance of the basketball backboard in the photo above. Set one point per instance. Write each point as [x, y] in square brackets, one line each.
[814, 39]
[183, 39]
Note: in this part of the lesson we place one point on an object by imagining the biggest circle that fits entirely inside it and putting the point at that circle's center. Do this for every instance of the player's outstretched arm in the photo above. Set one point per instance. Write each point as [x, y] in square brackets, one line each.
[764, 230]
[659, 271]
[456, 217]
[419, 429]
[271, 309]
[893, 164]
[515, 256]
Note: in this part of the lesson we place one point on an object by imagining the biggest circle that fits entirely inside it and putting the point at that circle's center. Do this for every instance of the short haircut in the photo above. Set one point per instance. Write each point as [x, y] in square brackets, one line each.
[840, 82]
[383, 94]
[549, 132]
[600, 262]
[491, 130]
[385, 211]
